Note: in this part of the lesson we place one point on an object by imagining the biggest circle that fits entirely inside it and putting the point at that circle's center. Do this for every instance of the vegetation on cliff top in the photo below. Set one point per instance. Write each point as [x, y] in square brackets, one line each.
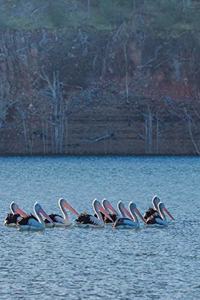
[163, 17]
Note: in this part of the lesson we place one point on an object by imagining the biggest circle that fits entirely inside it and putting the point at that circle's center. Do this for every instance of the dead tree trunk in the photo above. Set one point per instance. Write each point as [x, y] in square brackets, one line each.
[157, 134]
[23, 117]
[54, 93]
[126, 73]
[148, 131]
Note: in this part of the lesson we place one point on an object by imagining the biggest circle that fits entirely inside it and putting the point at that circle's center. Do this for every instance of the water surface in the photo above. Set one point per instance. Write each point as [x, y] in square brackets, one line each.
[150, 263]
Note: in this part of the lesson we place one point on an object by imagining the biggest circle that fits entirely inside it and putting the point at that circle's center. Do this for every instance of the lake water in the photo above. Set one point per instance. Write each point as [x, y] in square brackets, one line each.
[77, 263]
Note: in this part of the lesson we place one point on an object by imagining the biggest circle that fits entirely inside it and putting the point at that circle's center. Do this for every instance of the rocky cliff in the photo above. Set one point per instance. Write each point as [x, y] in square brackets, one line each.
[90, 90]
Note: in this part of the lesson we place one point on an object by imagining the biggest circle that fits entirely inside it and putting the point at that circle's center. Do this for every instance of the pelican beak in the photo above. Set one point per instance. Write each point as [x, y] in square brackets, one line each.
[168, 213]
[21, 213]
[70, 208]
[139, 214]
[45, 215]
[127, 213]
[110, 208]
[101, 209]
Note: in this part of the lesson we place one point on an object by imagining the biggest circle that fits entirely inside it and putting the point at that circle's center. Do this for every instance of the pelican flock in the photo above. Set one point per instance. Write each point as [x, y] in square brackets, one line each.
[123, 217]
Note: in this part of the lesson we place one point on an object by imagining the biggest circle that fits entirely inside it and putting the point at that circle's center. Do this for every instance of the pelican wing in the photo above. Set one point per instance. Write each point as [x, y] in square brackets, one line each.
[149, 213]
[83, 218]
[56, 218]
[152, 219]
[87, 219]
[94, 220]
[11, 218]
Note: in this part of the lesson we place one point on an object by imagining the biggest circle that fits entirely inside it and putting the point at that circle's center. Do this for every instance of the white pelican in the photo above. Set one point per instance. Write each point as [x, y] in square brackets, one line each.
[16, 215]
[159, 218]
[110, 210]
[62, 221]
[129, 219]
[32, 223]
[87, 220]
[151, 211]
[154, 212]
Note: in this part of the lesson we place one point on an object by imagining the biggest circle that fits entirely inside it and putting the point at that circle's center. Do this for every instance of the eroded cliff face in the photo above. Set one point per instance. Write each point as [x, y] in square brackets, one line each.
[85, 91]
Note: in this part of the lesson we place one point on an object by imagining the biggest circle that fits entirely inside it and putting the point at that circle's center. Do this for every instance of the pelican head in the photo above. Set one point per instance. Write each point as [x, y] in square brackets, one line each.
[39, 211]
[123, 210]
[64, 204]
[16, 210]
[155, 202]
[132, 206]
[134, 210]
[107, 206]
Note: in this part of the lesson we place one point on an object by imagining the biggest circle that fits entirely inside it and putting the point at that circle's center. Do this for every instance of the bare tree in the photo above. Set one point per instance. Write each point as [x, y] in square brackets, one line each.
[126, 73]
[157, 134]
[53, 91]
[148, 130]
[23, 116]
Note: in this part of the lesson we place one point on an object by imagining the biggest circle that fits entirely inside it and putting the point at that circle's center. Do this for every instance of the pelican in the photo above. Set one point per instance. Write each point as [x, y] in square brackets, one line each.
[151, 211]
[32, 223]
[129, 219]
[62, 221]
[159, 217]
[16, 215]
[86, 219]
[110, 210]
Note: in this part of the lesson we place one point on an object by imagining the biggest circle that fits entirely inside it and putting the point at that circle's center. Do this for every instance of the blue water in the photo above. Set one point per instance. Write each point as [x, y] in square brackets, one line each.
[77, 263]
